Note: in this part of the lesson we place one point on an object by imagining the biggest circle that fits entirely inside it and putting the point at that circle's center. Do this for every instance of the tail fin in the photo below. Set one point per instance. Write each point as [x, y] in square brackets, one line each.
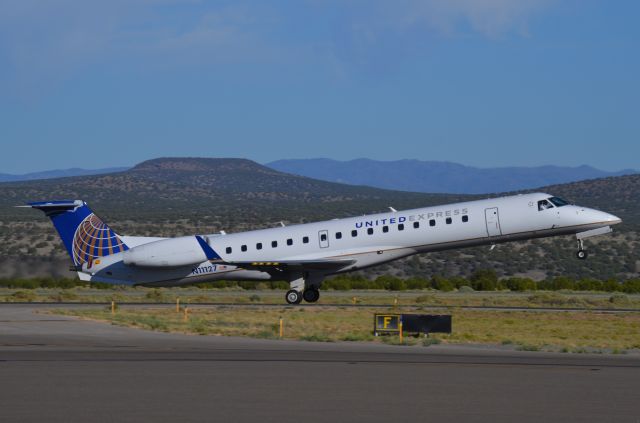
[84, 234]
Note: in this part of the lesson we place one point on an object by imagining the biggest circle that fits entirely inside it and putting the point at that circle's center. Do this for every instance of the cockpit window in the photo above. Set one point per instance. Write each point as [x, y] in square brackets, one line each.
[544, 204]
[558, 202]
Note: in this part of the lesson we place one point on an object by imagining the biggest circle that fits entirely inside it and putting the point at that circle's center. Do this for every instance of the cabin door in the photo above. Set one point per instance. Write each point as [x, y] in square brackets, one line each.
[493, 222]
[323, 237]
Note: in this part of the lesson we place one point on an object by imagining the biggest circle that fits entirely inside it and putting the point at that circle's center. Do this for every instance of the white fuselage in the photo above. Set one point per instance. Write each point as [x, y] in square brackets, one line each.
[366, 240]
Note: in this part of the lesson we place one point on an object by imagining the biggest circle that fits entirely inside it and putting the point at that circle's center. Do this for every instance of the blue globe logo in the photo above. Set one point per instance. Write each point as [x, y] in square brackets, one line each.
[93, 239]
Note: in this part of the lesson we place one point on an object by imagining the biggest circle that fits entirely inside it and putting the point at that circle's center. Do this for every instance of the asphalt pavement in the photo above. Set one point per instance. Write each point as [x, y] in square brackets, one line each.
[63, 369]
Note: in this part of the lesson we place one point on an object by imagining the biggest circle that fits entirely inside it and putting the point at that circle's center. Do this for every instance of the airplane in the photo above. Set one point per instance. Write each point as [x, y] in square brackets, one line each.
[305, 254]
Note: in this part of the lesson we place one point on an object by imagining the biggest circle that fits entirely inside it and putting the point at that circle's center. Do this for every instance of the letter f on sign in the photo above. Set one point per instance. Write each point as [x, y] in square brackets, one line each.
[386, 321]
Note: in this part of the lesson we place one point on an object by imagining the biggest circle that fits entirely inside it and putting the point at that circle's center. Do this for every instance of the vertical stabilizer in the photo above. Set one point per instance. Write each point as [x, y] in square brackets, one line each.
[85, 236]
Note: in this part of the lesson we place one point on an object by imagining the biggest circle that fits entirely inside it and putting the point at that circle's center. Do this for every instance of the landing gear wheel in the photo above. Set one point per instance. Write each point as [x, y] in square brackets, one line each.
[581, 254]
[293, 297]
[311, 295]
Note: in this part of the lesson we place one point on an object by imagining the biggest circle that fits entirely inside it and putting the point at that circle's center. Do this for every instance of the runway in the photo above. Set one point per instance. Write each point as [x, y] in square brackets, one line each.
[61, 369]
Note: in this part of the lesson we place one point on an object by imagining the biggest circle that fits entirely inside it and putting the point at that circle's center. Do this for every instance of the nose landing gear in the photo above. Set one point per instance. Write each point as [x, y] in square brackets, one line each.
[582, 253]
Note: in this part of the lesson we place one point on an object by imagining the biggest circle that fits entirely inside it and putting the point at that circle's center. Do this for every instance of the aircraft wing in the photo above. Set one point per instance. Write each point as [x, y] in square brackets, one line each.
[299, 265]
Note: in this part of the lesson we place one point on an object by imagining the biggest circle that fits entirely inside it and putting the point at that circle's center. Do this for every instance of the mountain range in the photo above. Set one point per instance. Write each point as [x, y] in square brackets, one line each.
[438, 177]
[400, 175]
[57, 173]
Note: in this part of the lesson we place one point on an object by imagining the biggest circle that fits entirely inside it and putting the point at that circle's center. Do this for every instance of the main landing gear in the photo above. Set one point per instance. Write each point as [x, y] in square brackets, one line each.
[304, 287]
[310, 295]
[293, 297]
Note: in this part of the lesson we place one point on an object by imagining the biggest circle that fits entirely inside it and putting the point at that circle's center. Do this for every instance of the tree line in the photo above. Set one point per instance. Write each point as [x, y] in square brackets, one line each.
[480, 280]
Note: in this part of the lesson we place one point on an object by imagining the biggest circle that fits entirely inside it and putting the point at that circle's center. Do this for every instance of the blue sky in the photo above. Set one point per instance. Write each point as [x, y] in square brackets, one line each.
[480, 82]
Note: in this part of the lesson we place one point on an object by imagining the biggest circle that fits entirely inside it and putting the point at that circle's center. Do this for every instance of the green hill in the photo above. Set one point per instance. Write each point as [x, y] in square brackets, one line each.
[177, 196]
[235, 191]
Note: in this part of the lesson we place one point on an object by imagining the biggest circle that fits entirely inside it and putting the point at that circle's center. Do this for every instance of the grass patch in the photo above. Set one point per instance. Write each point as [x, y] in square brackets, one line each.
[316, 338]
[527, 347]
[427, 342]
[357, 337]
[395, 340]
[422, 298]
[554, 331]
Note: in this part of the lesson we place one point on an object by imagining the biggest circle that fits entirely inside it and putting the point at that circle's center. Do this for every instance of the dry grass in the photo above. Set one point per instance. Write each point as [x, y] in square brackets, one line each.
[560, 299]
[550, 331]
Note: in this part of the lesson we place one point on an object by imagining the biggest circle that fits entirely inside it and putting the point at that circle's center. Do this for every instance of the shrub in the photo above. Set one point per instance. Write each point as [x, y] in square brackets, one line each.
[426, 342]
[418, 283]
[631, 286]
[619, 299]
[611, 286]
[391, 283]
[152, 322]
[441, 284]
[519, 284]
[316, 338]
[63, 283]
[64, 295]
[424, 299]
[155, 295]
[23, 296]
[546, 298]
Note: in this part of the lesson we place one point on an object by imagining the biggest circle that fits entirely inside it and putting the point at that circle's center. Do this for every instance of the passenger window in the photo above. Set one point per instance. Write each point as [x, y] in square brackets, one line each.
[385, 229]
[305, 240]
[465, 218]
[323, 237]
[274, 244]
[416, 225]
[432, 222]
[243, 248]
[370, 231]
[448, 221]
[259, 246]
[401, 227]
[289, 241]
[338, 235]
[354, 233]
[228, 250]
[543, 205]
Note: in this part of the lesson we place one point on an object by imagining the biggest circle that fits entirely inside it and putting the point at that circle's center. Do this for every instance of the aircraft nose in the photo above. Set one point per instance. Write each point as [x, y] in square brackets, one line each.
[598, 216]
[611, 219]
[605, 217]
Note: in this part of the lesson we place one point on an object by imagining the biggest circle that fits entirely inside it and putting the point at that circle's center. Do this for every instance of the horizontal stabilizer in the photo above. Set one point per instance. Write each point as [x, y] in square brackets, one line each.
[55, 207]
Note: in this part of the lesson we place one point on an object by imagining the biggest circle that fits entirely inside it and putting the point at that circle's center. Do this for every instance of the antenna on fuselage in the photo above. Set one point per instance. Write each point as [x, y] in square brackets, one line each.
[282, 224]
[392, 209]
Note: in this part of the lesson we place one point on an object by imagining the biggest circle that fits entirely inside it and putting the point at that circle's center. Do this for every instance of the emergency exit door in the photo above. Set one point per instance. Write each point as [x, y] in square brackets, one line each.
[493, 221]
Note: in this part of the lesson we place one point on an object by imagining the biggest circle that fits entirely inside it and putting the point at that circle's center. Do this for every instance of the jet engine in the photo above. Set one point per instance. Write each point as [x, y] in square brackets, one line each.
[173, 252]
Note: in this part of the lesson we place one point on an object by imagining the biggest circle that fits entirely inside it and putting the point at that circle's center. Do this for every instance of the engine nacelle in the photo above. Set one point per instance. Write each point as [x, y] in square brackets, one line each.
[173, 252]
